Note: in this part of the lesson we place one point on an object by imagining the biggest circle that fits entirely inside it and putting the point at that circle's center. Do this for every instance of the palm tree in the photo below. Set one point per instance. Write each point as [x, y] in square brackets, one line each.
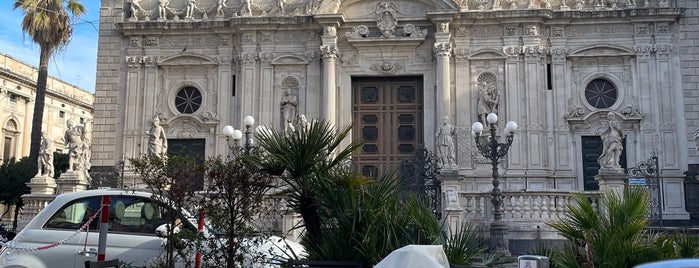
[48, 23]
[305, 159]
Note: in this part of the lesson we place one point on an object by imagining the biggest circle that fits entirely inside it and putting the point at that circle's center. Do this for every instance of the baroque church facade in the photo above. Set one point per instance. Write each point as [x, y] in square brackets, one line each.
[562, 69]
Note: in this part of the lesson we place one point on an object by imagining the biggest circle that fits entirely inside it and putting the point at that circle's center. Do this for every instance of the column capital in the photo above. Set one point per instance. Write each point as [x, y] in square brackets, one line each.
[442, 49]
[558, 54]
[329, 52]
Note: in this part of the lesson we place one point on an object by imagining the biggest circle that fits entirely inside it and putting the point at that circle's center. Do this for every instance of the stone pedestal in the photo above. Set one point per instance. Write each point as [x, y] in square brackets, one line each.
[42, 185]
[612, 179]
[72, 181]
[452, 213]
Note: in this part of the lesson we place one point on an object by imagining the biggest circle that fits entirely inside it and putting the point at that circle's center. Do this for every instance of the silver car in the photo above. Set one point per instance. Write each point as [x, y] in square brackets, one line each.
[52, 238]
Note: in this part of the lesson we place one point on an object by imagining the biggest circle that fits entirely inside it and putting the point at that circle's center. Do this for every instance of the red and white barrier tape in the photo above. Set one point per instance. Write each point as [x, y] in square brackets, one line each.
[11, 245]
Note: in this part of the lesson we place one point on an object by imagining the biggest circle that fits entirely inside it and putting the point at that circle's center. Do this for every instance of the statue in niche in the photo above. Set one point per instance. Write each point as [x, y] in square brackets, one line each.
[445, 143]
[289, 107]
[45, 157]
[488, 101]
[134, 7]
[696, 140]
[162, 9]
[612, 140]
[157, 141]
[220, 4]
[386, 19]
[77, 145]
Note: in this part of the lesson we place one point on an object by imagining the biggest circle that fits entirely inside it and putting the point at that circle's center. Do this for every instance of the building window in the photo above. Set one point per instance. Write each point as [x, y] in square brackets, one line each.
[7, 150]
[13, 97]
[82, 120]
[61, 114]
[188, 100]
[601, 94]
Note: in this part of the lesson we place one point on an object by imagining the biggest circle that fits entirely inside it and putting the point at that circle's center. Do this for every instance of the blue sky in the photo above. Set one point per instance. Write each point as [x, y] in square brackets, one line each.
[75, 64]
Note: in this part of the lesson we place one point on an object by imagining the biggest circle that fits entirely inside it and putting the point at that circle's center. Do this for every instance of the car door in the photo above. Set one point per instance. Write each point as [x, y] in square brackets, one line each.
[131, 237]
[61, 230]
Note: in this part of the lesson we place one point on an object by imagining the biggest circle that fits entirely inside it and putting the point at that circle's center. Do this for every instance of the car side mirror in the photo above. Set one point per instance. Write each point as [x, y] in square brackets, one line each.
[161, 231]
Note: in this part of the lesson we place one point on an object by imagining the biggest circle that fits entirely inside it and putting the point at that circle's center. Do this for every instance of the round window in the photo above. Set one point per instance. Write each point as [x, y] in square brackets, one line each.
[188, 100]
[601, 93]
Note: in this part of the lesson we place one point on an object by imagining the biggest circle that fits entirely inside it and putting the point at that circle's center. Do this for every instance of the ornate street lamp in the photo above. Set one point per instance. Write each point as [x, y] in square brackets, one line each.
[236, 135]
[493, 150]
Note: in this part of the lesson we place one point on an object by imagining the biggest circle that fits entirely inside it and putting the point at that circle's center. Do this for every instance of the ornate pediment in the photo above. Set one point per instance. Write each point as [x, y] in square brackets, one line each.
[487, 54]
[602, 51]
[289, 60]
[186, 59]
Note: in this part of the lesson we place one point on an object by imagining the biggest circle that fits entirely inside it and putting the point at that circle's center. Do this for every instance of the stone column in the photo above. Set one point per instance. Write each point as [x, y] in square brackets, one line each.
[329, 54]
[442, 52]
[26, 134]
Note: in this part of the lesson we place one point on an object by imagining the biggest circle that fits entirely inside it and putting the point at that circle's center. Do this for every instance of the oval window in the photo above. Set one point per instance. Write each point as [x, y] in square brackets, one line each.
[601, 93]
[188, 100]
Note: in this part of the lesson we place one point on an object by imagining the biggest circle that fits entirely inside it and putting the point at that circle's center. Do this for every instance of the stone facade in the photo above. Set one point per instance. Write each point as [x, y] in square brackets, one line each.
[551, 62]
[63, 101]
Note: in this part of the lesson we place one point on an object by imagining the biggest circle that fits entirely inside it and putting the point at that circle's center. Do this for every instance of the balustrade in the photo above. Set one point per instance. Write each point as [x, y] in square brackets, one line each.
[520, 206]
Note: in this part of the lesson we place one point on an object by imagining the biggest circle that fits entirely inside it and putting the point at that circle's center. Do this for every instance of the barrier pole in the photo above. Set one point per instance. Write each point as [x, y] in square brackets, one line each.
[200, 227]
[104, 227]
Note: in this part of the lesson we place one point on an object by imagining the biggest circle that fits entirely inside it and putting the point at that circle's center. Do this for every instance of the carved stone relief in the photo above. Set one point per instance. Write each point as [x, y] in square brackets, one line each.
[386, 67]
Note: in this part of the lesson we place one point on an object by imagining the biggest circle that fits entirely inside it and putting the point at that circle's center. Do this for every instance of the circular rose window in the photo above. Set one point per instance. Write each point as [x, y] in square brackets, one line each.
[601, 93]
[188, 100]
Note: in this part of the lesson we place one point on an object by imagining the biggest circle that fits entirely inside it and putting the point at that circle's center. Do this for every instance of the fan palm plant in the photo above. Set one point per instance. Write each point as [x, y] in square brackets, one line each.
[613, 236]
[48, 23]
[305, 159]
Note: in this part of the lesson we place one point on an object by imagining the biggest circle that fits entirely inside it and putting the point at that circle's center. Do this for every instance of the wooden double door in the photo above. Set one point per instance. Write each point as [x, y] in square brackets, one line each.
[387, 114]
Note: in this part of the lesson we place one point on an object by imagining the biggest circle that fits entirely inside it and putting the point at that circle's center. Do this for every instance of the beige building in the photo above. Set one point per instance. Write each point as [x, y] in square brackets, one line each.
[17, 93]
[63, 101]
[562, 69]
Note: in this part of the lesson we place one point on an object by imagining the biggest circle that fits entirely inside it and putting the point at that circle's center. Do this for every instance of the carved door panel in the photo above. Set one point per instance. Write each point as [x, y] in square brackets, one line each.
[387, 115]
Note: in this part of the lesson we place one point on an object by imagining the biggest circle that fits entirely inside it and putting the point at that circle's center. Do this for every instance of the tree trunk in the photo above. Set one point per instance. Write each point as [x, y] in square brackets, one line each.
[38, 118]
[311, 219]
[18, 205]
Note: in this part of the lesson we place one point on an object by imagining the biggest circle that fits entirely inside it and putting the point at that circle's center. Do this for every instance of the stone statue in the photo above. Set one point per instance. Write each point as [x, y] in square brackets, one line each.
[303, 122]
[157, 142]
[488, 101]
[78, 147]
[162, 9]
[289, 109]
[191, 6]
[327, 7]
[696, 140]
[280, 7]
[220, 4]
[45, 157]
[612, 139]
[445, 143]
[135, 6]
[245, 9]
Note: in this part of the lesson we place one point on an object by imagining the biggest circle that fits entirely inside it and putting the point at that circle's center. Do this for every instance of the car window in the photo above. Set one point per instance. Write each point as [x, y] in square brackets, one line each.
[138, 215]
[76, 213]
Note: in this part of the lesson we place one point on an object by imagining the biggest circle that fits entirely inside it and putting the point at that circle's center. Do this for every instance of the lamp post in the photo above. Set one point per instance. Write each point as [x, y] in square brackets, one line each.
[494, 150]
[236, 135]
